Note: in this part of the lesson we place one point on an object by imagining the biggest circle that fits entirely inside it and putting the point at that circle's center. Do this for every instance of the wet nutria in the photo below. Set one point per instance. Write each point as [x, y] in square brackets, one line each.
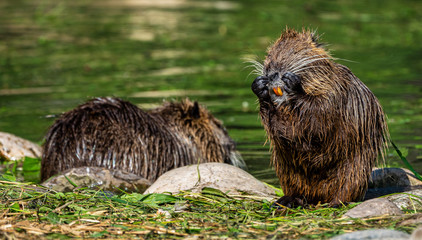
[325, 126]
[115, 134]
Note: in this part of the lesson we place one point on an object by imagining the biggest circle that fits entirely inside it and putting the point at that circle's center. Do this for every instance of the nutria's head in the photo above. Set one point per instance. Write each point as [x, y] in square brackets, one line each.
[299, 55]
[202, 129]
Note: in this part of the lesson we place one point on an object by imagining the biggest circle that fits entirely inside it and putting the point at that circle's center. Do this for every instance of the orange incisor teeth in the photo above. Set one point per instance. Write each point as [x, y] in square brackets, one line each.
[277, 91]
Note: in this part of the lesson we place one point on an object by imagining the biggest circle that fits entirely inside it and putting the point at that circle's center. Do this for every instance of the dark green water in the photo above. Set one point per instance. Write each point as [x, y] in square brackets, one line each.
[55, 55]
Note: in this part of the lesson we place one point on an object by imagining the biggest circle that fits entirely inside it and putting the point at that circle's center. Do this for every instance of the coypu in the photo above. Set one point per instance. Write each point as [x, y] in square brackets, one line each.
[115, 134]
[325, 126]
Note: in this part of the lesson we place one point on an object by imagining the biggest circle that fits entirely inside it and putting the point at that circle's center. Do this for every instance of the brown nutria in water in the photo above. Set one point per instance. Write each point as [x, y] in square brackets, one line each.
[115, 134]
[325, 126]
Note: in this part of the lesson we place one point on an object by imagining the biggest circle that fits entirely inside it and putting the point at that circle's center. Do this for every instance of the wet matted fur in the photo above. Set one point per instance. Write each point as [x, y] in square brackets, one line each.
[325, 126]
[115, 134]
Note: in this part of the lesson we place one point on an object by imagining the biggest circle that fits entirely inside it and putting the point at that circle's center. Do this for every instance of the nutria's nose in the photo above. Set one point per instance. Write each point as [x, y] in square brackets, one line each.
[274, 76]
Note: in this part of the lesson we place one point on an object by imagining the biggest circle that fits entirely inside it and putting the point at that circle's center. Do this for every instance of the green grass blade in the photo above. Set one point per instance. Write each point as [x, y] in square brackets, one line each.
[70, 181]
[406, 163]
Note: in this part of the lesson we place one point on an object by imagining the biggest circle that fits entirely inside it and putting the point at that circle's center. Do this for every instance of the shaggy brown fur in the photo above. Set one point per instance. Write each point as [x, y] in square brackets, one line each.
[325, 126]
[115, 134]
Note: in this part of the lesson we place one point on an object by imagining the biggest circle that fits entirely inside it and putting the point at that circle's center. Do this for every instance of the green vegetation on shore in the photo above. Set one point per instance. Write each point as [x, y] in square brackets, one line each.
[32, 211]
[55, 55]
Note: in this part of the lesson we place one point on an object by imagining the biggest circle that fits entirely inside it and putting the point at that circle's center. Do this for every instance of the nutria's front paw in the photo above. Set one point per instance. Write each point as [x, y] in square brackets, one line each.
[292, 83]
[259, 87]
[289, 201]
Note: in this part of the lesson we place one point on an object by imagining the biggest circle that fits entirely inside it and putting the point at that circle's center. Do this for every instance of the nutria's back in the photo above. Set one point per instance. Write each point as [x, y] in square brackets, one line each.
[112, 133]
[326, 127]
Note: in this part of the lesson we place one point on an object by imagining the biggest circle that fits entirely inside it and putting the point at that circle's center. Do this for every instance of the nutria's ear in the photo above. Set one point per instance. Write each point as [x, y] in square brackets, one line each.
[194, 111]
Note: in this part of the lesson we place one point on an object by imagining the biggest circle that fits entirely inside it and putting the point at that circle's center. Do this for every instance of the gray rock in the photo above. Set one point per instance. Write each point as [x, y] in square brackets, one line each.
[378, 234]
[372, 208]
[396, 180]
[417, 234]
[14, 148]
[393, 177]
[414, 219]
[391, 180]
[406, 200]
[96, 177]
[224, 177]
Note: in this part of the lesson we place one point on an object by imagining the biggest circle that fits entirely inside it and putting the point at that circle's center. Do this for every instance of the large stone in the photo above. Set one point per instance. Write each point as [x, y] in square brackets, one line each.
[417, 234]
[386, 181]
[377, 234]
[407, 200]
[227, 178]
[373, 208]
[414, 219]
[402, 182]
[393, 177]
[96, 177]
[15, 148]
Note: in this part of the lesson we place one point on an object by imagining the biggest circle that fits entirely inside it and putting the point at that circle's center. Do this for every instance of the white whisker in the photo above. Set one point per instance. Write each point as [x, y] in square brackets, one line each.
[301, 69]
[254, 72]
[293, 63]
[307, 63]
[257, 66]
[346, 60]
[303, 61]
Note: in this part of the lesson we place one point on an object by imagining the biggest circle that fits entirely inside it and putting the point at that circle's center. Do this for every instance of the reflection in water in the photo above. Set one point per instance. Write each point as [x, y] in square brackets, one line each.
[170, 93]
[148, 24]
[183, 70]
[24, 91]
[173, 4]
[168, 53]
[55, 55]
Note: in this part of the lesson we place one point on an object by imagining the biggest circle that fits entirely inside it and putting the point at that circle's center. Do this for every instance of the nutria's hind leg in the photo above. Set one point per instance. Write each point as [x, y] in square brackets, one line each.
[337, 204]
[290, 202]
[292, 82]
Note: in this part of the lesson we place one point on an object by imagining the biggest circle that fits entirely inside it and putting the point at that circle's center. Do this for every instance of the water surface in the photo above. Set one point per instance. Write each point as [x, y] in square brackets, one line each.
[55, 55]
